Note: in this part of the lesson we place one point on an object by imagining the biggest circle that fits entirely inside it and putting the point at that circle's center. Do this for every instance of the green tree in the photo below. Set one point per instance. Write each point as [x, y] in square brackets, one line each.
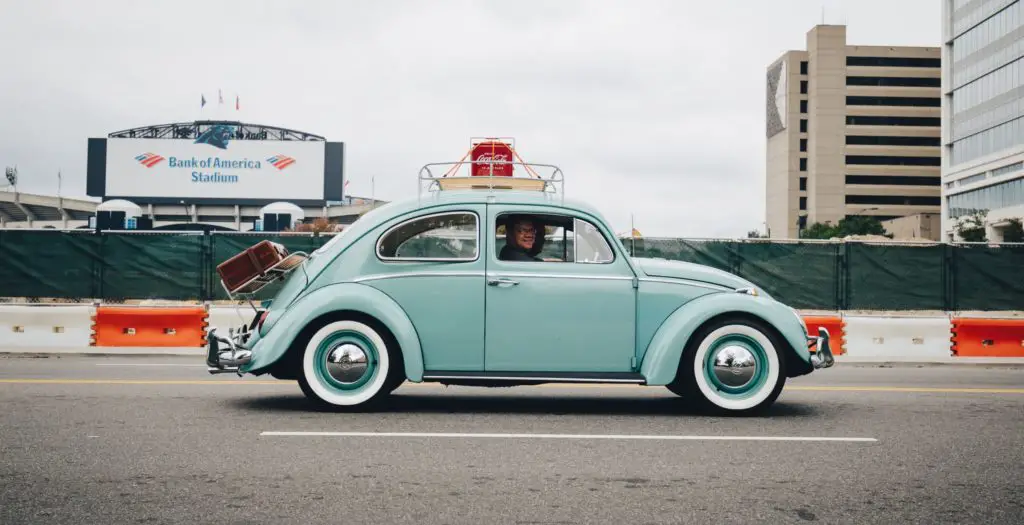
[820, 231]
[856, 225]
[972, 228]
[754, 234]
[1014, 232]
[861, 225]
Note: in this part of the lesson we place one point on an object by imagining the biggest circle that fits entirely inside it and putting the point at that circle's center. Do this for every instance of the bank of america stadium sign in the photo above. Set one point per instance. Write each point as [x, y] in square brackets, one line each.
[218, 137]
[214, 163]
[222, 162]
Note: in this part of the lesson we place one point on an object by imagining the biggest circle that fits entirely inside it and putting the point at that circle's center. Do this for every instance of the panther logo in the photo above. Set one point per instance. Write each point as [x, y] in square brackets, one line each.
[217, 136]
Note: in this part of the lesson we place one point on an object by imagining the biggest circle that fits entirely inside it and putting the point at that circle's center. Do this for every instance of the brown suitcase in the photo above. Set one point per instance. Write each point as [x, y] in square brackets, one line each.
[250, 266]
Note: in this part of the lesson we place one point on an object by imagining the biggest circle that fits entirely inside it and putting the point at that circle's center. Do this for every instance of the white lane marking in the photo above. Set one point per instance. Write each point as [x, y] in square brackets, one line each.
[149, 364]
[569, 436]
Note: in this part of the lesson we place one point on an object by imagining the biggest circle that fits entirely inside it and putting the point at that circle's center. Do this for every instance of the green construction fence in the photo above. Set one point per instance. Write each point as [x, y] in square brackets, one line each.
[120, 266]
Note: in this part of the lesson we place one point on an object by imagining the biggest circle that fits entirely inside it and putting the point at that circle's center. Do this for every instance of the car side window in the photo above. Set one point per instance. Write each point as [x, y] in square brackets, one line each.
[452, 236]
[590, 246]
[550, 238]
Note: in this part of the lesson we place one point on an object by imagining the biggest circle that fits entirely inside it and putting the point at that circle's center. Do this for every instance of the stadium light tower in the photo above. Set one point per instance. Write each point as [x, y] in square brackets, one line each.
[12, 177]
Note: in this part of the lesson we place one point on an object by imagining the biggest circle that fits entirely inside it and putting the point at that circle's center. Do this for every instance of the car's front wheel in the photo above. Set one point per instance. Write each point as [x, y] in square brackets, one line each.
[347, 363]
[733, 366]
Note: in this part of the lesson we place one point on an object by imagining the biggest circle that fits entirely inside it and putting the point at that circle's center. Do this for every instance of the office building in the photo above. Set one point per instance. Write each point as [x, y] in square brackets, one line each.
[851, 130]
[982, 113]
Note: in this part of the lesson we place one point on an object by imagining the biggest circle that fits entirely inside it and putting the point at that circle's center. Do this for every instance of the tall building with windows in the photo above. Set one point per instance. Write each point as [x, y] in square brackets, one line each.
[851, 130]
[983, 113]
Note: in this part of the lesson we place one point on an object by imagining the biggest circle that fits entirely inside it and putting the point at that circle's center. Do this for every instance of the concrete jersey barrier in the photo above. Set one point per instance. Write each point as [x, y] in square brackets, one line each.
[183, 329]
[45, 326]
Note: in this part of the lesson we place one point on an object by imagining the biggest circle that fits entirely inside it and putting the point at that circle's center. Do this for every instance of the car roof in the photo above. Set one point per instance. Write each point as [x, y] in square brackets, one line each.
[487, 196]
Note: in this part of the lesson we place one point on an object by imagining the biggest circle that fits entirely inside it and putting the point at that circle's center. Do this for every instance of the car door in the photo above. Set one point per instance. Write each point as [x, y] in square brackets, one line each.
[575, 313]
[432, 264]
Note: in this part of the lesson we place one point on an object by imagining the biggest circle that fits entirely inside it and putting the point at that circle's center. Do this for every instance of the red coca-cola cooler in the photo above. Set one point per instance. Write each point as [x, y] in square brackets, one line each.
[484, 154]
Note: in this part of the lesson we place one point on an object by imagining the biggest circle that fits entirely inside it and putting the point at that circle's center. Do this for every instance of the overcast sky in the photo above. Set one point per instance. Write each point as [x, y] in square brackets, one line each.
[654, 108]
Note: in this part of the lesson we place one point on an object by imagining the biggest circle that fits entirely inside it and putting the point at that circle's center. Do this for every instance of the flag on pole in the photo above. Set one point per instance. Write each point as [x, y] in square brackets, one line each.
[202, 100]
[237, 103]
[220, 97]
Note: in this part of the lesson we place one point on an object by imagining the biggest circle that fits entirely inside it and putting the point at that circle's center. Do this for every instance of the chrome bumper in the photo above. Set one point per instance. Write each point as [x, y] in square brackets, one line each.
[225, 355]
[821, 350]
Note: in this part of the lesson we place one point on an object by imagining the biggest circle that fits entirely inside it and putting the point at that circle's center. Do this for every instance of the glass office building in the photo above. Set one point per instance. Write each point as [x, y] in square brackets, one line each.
[982, 113]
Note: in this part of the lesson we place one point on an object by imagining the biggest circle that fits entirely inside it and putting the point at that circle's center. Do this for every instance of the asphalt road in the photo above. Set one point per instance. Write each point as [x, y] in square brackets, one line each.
[158, 440]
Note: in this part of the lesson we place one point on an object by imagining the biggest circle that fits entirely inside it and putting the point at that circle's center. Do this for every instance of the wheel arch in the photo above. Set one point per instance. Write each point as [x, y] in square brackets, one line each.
[276, 352]
[290, 363]
[660, 364]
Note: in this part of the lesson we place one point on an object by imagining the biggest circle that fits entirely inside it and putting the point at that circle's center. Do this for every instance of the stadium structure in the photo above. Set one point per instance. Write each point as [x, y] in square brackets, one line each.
[202, 175]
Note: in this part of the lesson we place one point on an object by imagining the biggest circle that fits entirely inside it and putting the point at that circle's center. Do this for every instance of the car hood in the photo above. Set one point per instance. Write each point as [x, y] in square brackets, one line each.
[690, 271]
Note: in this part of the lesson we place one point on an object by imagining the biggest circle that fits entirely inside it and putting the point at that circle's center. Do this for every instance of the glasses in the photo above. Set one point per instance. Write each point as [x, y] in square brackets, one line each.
[525, 229]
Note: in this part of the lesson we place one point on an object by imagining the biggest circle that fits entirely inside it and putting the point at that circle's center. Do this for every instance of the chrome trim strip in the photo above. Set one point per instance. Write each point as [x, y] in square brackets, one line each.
[529, 378]
[381, 276]
[698, 284]
[497, 274]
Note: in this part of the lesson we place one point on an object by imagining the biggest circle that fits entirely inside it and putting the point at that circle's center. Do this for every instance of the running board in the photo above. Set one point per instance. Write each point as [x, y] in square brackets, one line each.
[547, 377]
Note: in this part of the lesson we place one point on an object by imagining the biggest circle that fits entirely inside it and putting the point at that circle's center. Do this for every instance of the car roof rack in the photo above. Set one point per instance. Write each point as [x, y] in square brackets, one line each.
[491, 164]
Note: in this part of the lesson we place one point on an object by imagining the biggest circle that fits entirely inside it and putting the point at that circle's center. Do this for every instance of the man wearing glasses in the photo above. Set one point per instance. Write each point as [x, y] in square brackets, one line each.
[524, 239]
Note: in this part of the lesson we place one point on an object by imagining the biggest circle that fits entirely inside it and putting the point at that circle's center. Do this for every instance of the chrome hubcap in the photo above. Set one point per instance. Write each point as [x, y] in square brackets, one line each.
[735, 366]
[347, 363]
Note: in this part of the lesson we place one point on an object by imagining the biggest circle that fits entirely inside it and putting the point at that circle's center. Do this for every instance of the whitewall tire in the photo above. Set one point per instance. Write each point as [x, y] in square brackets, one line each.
[345, 364]
[734, 366]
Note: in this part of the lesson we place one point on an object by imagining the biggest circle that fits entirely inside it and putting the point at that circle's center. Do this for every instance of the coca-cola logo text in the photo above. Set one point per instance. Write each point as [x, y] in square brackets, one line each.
[487, 157]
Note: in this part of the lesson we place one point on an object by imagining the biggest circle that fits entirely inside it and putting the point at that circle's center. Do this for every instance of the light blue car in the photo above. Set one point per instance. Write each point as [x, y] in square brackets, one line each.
[499, 281]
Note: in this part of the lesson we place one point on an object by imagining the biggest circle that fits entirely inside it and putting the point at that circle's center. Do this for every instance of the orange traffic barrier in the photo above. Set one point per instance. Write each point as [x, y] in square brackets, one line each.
[836, 327]
[132, 326]
[973, 337]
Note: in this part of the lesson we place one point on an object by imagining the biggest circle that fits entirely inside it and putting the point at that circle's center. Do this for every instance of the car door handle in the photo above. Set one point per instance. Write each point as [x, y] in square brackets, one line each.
[502, 282]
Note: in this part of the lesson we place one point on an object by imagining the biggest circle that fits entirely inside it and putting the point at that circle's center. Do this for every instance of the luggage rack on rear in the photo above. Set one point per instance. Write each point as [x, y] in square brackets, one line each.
[269, 275]
[252, 269]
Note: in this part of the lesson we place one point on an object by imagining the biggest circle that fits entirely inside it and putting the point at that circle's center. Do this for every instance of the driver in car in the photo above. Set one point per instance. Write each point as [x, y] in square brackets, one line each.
[524, 238]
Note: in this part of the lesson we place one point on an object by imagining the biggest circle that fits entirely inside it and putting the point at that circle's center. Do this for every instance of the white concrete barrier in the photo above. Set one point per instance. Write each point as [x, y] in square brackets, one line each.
[30, 326]
[66, 329]
[878, 338]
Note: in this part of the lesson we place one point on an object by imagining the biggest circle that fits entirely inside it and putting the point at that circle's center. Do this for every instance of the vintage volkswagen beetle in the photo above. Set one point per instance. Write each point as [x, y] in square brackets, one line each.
[416, 291]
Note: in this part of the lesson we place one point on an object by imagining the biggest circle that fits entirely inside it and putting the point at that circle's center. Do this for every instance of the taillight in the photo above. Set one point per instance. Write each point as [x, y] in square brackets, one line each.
[263, 317]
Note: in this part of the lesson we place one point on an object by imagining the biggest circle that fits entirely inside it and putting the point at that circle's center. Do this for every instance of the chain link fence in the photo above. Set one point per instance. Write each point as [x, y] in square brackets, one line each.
[82, 266]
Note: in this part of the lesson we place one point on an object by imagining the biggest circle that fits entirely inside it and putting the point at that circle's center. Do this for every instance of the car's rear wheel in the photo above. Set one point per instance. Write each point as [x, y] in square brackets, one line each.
[733, 366]
[347, 364]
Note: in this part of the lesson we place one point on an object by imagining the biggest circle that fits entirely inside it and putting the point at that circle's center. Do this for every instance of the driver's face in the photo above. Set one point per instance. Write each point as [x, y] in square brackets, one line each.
[525, 234]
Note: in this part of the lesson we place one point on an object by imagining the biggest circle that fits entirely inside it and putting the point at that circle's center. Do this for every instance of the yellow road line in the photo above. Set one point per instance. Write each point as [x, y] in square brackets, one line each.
[890, 389]
[137, 382]
[907, 389]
